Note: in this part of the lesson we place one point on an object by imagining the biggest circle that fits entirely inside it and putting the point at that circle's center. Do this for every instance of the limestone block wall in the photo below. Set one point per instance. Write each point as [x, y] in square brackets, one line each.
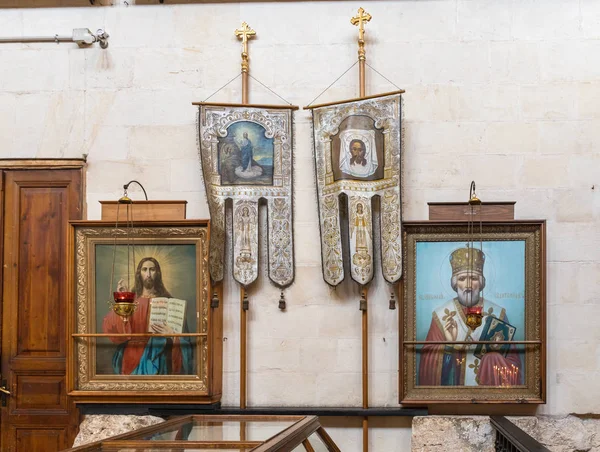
[476, 434]
[97, 427]
[503, 92]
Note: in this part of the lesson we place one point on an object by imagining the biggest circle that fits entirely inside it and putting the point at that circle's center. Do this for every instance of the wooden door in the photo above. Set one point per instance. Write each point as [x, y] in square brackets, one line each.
[38, 204]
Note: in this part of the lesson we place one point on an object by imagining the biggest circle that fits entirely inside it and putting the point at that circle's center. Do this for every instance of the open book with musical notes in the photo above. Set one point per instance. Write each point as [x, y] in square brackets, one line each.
[167, 310]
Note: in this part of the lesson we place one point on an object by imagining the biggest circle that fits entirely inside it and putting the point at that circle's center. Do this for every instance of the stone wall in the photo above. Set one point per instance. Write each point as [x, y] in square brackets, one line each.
[476, 434]
[96, 427]
[503, 92]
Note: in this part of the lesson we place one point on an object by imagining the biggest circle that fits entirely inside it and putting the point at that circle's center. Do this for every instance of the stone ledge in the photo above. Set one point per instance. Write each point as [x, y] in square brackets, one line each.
[475, 433]
[96, 427]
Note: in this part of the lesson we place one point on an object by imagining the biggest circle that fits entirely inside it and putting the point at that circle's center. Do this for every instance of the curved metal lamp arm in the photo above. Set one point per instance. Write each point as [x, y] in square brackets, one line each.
[125, 198]
[473, 199]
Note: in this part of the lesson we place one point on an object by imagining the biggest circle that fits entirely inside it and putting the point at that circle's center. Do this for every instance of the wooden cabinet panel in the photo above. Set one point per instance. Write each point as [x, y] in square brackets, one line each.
[41, 270]
[24, 364]
[40, 440]
[41, 392]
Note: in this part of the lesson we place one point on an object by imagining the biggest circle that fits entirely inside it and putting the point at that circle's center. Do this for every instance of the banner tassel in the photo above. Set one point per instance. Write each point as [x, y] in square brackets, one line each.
[282, 304]
[392, 301]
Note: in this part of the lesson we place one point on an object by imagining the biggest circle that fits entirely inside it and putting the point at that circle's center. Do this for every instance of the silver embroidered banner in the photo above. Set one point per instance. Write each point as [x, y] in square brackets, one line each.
[358, 152]
[246, 154]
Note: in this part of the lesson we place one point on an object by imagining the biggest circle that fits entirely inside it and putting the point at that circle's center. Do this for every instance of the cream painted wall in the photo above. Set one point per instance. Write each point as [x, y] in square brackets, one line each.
[503, 92]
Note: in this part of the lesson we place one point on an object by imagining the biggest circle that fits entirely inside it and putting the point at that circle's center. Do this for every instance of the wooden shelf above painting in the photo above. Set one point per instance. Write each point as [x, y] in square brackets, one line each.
[145, 210]
[461, 211]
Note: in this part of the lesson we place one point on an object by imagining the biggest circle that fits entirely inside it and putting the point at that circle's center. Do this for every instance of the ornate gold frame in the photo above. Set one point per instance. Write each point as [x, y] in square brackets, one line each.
[533, 232]
[84, 384]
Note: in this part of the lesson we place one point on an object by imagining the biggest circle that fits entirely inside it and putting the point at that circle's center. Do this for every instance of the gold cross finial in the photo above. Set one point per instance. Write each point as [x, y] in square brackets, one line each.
[245, 33]
[360, 19]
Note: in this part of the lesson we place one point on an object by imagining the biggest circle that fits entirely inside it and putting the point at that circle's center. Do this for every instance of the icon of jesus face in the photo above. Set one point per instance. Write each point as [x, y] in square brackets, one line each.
[148, 272]
[357, 152]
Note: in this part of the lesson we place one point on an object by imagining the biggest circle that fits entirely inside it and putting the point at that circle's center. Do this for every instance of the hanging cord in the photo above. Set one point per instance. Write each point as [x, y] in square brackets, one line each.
[387, 79]
[286, 101]
[471, 244]
[253, 78]
[474, 201]
[112, 272]
[127, 212]
[481, 241]
[132, 239]
[334, 82]
[470, 252]
[222, 87]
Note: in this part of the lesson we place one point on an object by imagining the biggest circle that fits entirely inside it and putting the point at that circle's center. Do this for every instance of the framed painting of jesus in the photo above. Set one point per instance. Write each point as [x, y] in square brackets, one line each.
[141, 325]
[473, 317]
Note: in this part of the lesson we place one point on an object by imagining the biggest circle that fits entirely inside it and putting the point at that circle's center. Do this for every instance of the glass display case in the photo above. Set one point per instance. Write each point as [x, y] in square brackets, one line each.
[234, 433]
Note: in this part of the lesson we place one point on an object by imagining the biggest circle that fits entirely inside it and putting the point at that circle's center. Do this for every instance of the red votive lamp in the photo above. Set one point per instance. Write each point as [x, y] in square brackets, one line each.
[124, 297]
[477, 310]
[474, 317]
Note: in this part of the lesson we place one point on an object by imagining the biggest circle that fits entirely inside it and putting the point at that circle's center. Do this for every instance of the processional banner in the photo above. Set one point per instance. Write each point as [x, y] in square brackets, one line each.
[357, 148]
[246, 155]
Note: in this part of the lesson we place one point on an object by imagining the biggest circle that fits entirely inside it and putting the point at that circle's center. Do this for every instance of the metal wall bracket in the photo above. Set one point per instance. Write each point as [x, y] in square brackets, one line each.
[83, 37]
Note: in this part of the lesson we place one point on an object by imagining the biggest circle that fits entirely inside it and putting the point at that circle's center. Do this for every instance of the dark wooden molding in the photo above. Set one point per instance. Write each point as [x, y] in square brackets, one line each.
[216, 409]
[42, 163]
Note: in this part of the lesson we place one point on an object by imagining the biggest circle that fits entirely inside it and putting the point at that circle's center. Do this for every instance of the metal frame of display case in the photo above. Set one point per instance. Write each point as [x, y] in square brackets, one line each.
[286, 440]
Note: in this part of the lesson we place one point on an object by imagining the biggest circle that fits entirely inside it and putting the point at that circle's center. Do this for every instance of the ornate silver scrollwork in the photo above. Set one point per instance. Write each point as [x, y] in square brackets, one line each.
[357, 152]
[246, 155]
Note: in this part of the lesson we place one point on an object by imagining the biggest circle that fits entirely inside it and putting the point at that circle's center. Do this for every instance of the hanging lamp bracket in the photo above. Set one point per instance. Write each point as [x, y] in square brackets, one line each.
[126, 199]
